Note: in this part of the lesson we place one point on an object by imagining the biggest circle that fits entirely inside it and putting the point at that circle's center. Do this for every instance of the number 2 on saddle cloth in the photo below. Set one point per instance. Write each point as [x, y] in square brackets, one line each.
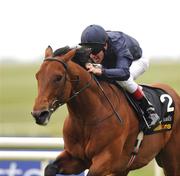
[164, 106]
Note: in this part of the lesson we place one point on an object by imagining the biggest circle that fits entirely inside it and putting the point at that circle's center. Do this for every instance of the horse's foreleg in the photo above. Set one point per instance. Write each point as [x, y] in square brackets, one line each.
[65, 164]
[106, 165]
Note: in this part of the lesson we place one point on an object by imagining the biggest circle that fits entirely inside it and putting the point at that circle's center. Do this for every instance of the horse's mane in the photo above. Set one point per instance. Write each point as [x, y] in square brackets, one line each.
[81, 57]
[61, 51]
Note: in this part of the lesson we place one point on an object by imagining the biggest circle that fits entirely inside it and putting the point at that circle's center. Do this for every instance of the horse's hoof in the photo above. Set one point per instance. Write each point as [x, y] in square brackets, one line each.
[51, 170]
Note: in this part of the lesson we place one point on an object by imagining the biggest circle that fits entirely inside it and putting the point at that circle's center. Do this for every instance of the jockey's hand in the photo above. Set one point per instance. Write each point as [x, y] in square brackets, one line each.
[95, 70]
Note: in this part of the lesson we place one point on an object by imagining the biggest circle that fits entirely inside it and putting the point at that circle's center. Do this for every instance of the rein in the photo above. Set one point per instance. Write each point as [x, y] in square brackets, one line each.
[113, 108]
[57, 103]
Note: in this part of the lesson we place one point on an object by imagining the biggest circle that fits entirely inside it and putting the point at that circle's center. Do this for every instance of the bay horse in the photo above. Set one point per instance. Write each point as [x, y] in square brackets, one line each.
[93, 137]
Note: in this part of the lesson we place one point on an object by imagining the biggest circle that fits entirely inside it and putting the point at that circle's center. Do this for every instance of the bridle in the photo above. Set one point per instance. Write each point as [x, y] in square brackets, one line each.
[57, 103]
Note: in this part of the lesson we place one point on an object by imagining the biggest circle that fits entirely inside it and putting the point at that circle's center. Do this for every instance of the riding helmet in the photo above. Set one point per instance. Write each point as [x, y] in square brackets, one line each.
[94, 35]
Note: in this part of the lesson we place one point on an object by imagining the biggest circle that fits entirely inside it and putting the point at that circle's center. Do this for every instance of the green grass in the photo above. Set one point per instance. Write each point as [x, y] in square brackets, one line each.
[168, 73]
[18, 90]
[17, 94]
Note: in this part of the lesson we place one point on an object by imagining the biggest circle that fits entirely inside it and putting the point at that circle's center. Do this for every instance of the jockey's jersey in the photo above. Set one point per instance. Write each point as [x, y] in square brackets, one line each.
[122, 51]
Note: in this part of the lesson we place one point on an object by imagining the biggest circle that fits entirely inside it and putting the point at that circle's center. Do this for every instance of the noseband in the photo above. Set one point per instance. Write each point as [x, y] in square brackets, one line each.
[57, 103]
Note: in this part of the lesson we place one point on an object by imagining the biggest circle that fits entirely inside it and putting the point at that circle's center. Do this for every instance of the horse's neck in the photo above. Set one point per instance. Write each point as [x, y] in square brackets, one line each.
[91, 104]
[87, 102]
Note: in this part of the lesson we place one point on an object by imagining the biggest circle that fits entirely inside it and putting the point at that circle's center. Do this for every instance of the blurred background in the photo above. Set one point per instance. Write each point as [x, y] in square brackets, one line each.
[28, 27]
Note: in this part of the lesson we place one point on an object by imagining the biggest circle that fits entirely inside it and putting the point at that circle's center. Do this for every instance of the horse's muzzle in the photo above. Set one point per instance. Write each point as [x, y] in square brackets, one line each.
[41, 117]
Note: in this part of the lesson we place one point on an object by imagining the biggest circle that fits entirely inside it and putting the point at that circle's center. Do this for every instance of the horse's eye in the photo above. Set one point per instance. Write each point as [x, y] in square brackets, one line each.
[57, 79]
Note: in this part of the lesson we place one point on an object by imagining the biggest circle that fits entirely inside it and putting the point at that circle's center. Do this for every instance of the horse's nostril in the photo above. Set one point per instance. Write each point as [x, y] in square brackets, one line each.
[37, 114]
[44, 113]
[41, 117]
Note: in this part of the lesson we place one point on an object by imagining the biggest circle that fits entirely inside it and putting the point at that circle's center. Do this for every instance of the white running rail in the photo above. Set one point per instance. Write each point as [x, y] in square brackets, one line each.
[14, 143]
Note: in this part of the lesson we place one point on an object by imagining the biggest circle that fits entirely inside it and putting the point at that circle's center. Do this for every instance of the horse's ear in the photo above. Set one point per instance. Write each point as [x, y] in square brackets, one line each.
[68, 56]
[48, 52]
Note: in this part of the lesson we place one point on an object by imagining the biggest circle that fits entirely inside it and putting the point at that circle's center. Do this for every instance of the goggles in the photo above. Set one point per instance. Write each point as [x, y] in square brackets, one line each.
[96, 50]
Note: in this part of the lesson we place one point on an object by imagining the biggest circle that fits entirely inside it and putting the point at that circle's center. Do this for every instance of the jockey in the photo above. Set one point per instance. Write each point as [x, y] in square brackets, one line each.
[119, 58]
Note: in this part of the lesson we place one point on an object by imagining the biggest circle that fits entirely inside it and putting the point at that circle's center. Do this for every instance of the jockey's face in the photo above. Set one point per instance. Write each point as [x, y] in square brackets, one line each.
[98, 57]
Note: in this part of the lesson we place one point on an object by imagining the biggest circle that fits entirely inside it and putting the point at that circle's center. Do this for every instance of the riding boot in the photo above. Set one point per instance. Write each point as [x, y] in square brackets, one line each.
[151, 116]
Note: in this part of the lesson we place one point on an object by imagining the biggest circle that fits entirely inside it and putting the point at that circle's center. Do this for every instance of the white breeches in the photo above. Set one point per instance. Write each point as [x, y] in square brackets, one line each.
[137, 68]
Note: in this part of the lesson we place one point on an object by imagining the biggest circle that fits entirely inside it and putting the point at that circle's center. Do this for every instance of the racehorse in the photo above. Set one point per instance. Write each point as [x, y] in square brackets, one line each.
[93, 137]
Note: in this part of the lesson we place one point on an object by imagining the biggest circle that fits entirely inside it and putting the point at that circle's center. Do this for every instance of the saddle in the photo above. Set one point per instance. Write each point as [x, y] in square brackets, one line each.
[164, 106]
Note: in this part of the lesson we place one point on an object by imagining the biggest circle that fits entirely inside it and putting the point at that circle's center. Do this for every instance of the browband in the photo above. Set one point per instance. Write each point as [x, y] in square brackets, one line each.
[60, 61]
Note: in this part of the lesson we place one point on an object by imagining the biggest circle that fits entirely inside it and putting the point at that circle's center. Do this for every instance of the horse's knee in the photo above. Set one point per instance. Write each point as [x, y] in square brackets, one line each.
[51, 170]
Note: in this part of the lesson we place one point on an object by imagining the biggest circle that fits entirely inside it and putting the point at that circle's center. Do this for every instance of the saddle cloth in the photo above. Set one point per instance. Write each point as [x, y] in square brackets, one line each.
[164, 106]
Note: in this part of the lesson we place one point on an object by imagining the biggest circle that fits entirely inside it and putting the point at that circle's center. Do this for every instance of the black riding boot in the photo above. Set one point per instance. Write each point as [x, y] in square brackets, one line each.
[153, 118]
